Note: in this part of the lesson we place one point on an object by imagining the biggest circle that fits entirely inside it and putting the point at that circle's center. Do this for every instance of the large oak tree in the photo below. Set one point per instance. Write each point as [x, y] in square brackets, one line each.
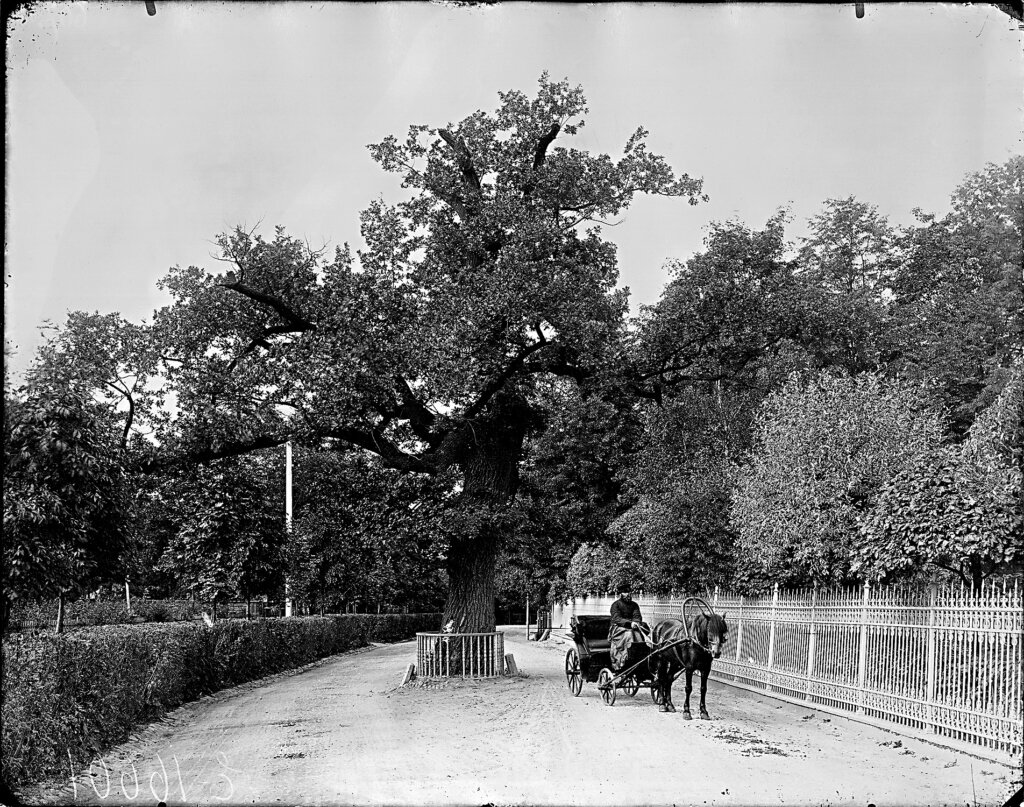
[428, 347]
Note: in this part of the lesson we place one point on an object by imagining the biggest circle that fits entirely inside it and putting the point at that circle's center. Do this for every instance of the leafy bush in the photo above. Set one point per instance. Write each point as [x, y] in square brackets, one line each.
[43, 614]
[79, 693]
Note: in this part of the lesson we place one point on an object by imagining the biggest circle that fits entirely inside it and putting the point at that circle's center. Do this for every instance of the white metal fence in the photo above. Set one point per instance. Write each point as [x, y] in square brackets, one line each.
[465, 655]
[941, 660]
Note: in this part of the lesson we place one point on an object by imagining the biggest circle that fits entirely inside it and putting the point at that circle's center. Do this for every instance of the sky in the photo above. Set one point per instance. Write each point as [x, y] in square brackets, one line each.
[133, 140]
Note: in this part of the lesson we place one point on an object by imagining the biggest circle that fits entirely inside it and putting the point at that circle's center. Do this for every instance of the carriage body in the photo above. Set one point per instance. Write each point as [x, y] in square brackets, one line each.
[592, 646]
[591, 658]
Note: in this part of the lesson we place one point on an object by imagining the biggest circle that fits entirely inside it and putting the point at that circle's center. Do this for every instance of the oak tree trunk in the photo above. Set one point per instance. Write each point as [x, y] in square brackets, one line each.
[490, 468]
[470, 604]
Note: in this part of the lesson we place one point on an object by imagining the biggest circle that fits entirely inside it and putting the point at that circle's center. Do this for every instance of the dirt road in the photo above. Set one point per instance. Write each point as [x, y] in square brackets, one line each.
[344, 732]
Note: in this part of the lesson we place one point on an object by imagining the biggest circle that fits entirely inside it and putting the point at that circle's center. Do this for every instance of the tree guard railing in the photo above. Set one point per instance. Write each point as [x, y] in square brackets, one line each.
[460, 655]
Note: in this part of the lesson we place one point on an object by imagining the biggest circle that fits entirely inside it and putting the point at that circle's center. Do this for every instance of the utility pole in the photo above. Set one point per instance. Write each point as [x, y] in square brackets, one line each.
[287, 515]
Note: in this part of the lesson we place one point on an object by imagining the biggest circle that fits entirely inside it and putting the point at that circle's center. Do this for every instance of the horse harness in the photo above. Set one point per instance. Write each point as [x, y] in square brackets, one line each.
[690, 638]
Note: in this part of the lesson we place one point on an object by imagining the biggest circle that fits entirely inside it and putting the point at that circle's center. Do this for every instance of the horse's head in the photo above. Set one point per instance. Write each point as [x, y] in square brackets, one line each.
[717, 631]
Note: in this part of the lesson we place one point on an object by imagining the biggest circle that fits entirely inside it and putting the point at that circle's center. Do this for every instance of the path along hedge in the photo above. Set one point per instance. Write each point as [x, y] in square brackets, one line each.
[80, 693]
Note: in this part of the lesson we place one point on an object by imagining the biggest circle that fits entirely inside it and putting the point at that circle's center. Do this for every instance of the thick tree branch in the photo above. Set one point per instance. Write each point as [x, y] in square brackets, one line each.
[261, 341]
[454, 203]
[464, 160]
[415, 412]
[498, 381]
[295, 320]
[130, 417]
[557, 361]
[374, 441]
[540, 153]
[206, 454]
[539, 156]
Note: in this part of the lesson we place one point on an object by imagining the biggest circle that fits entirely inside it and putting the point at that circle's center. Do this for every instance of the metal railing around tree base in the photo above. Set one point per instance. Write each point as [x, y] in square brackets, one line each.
[460, 655]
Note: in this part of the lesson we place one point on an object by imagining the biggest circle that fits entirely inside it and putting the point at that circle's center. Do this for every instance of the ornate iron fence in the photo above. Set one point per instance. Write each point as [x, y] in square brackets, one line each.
[942, 660]
[460, 655]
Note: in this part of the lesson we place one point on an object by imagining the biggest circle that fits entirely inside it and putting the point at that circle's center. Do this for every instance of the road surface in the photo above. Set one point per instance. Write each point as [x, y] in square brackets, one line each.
[343, 731]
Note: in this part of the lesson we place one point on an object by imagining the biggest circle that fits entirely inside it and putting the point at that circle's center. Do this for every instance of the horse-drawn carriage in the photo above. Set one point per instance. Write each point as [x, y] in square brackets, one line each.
[673, 647]
[591, 660]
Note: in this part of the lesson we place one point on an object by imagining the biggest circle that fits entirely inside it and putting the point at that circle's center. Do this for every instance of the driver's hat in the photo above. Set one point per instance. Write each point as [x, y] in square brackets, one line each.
[624, 588]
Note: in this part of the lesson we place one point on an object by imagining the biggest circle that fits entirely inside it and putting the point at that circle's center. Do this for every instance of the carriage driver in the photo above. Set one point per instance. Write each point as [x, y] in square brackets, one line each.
[625, 626]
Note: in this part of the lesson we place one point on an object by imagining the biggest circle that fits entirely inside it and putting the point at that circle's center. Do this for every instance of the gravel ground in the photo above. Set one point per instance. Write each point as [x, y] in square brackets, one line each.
[344, 732]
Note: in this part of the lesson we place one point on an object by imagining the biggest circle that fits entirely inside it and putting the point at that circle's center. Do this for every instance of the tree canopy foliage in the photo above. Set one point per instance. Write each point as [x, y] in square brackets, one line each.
[823, 449]
[787, 411]
[960, 509]
[65, 494]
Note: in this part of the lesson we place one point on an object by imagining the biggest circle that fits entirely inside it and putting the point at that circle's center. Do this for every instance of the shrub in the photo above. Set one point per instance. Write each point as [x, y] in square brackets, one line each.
[43, 614]
[79, 693]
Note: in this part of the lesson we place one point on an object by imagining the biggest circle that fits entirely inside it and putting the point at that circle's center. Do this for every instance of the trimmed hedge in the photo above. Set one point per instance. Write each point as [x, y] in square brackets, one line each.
[102, 612]
[82, 692]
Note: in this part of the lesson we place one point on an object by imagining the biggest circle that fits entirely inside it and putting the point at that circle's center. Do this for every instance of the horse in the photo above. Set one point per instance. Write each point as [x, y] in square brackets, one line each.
[704, 644]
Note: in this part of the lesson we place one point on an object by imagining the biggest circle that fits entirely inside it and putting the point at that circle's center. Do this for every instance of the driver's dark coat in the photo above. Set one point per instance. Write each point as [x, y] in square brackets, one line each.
[625, 612]
[620, 633]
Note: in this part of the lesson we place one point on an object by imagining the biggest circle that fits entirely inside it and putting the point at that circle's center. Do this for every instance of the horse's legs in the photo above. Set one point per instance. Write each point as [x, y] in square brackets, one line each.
[703, 692]
[689, 689]
[669, 678]
[664, 684]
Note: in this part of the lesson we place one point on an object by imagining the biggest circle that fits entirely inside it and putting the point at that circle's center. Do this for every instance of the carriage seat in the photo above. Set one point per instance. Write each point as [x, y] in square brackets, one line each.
[594, 630]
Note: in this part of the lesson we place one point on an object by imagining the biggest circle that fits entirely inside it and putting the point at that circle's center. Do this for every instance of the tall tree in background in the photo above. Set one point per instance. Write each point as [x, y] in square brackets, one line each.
[823, 450]
[682, 480]
[847, 262]
[571, 485]
[958, 295]
[65, 493]
[427, 351]
[723, 312]
[365, 536]
[227, 529]
[728, 328]
[959, 508]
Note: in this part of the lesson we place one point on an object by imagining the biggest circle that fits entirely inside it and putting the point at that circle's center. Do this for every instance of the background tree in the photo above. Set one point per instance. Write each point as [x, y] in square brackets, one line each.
[571, 485]
[365, 536]
[959, 509]
[601, 568]
[228, 529]
[823, 449]
[847, 262]
[111, 359]
[724, 311]
[957, 294]
[682, 479]
[65, 494]
[730, 326]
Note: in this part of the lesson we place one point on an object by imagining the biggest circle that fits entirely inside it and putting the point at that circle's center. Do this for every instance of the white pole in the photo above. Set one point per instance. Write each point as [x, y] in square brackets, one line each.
[527, 617]
[127, 595]
[287, 515]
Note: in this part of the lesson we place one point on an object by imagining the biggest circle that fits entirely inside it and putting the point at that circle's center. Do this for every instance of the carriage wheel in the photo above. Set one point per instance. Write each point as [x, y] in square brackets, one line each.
[632, 686]
[573, 674]
[605, 685]
[656, 693]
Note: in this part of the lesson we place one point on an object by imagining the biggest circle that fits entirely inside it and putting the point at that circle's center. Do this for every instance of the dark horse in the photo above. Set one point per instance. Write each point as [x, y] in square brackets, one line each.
[706, 639]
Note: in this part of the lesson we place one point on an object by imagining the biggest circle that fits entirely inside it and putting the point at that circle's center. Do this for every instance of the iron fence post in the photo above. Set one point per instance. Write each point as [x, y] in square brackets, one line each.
[930, 693]
[862, 664]
[811, 642]
[739, 641]
[771, 639]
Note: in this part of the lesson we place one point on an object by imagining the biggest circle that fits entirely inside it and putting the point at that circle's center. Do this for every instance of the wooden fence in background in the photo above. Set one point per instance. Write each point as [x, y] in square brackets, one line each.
[941, 660]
